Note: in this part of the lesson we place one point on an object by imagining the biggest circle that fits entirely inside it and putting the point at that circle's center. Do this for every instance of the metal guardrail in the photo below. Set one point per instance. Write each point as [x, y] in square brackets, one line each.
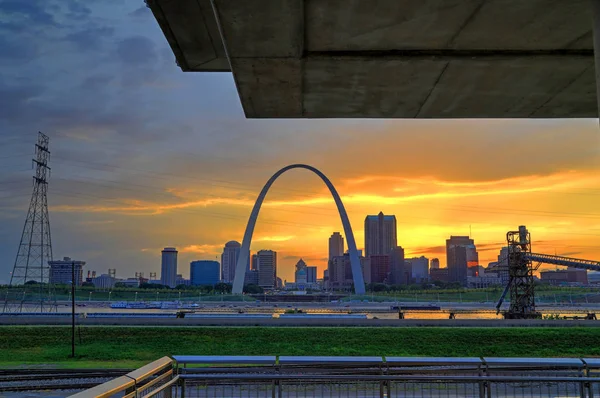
[383, 377]
[284, 376]
[153, 380]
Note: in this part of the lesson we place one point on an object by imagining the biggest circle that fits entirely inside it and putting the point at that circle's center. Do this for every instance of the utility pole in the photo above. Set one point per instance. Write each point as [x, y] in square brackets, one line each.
[73, 309]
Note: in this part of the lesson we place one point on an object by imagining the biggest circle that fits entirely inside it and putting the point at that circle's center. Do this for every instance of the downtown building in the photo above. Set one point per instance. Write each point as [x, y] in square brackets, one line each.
[340, 272]
[336, 249]
[399, 273]
[266, 267]
[336, 245]
[168, 267]
[205, 273]
[380, 235]
[61, 271]
[304, 278]
[229, 258]
[104, 281]
[419, 269]
[460, 254]
[380, 268]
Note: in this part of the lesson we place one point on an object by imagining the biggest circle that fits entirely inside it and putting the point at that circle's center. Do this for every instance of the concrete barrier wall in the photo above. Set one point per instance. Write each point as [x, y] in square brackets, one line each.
[24, 320]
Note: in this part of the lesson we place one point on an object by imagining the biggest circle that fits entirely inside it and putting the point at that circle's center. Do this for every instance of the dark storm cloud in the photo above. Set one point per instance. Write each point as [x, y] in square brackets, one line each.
[77, 9]
[136, 50]
[96, 82]
[16, 100]
[33, 10]
[90, 39]
[141, 12]
[15, 52]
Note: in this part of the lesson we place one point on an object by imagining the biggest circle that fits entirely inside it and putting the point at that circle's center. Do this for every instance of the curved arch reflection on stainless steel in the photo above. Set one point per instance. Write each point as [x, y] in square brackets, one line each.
[244, 256]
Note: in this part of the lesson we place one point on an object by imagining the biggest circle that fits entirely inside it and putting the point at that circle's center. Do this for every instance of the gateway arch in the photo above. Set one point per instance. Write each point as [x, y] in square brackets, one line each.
[244, 256]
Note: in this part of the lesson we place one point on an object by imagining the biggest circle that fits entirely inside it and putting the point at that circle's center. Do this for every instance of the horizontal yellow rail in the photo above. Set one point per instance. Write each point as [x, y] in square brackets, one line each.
[129, 380]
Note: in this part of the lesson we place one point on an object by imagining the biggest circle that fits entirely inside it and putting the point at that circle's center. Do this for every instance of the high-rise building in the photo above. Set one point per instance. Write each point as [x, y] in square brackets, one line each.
[336, 245]
[472, 256]
[459, 249]
[502, 265]
[434, 263]
[419, 269]
[266, 263]
[457, 264]
[311, 274]
[380, 234]
[61, 271]
[380, 268]
[168, 267]
[205, 273]
[229, 258]
[439, 274]
[251, 277]
[398, 273]
[340, 272]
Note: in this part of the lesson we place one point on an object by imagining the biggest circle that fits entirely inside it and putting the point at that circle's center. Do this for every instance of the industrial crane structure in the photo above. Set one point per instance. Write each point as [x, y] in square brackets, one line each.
[520, 274]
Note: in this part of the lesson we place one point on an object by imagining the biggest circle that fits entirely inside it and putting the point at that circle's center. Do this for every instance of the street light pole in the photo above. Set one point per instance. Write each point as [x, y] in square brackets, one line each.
[73, 309]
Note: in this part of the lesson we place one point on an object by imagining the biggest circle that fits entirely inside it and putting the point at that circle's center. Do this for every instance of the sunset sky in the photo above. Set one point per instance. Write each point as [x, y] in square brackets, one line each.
[145, 156]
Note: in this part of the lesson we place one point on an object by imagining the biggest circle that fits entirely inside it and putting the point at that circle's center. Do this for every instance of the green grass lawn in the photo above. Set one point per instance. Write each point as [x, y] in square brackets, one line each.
[129, 347]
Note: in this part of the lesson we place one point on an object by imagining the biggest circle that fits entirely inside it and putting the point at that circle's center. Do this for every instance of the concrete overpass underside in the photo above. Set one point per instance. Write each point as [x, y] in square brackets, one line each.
[392, 58]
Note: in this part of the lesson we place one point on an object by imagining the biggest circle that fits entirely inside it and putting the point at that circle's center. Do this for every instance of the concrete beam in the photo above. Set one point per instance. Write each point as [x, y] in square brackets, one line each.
[358, 25]
[595, 8]
[261, 28]
[527, 25]
[390, 58]
[269, 87]
[191, 30]
[517, 86]
[348, 86]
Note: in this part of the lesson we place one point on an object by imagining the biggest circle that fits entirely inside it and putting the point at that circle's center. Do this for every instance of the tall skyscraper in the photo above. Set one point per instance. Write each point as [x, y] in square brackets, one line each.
[311, 274]
[434, 263]
[266, 263]
[204, 273]
[168, 267]
[229, 258]
[336, 245]
[380, 234]
[457, 257]
[399, 276]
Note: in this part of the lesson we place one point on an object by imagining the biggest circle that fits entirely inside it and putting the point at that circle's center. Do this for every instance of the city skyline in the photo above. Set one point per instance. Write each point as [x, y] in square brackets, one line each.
[168, 159]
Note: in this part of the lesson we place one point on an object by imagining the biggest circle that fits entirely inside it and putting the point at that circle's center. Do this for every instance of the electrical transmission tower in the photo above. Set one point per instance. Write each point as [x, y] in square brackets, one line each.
[31, 270]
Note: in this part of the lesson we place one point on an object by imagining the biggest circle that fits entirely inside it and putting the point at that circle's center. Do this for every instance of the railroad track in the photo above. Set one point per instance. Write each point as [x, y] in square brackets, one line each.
[78, 386]
[55, 379]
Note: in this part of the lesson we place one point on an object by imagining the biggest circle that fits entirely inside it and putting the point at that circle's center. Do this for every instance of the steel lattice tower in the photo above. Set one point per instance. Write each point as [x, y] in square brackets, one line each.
[35, 248]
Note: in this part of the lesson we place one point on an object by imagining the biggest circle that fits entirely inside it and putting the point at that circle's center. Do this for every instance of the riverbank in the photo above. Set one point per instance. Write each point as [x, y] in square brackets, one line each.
[130, 347]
